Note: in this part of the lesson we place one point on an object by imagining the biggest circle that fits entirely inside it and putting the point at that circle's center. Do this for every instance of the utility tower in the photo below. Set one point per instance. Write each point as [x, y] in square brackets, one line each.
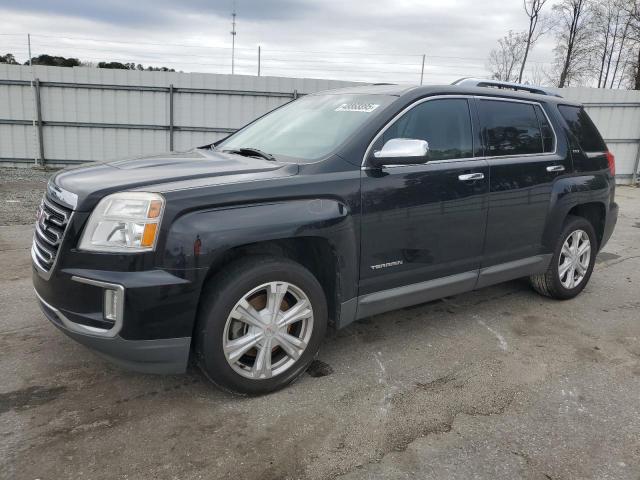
[233, 39]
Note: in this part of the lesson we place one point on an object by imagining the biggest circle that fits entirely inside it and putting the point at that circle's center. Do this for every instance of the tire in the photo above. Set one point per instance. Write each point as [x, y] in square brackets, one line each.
[556, 284]
[230, 302]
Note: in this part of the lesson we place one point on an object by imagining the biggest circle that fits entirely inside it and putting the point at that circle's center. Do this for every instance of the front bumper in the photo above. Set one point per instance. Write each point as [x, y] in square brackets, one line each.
[156, 311]
[166, 356]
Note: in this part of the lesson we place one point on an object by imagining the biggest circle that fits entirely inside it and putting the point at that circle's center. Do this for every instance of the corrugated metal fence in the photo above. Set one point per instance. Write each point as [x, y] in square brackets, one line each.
[73, 115]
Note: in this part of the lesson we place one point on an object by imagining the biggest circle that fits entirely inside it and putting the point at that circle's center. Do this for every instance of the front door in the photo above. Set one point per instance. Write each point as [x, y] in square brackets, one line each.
[426, 221]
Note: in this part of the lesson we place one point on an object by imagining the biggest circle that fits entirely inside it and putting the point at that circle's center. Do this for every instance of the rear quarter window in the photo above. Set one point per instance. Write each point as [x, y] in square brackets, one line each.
[583, 128]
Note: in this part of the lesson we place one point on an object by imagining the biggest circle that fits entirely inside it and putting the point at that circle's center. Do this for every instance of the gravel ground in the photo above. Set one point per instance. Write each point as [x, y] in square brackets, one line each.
[498, 383]
[20, 192]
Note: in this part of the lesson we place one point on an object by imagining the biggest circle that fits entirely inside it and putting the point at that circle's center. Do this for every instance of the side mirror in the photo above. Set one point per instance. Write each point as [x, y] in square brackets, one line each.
[401, 151]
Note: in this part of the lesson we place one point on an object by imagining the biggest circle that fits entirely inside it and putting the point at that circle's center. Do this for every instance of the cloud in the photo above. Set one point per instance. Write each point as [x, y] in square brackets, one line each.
[352, 40]
[154, 12]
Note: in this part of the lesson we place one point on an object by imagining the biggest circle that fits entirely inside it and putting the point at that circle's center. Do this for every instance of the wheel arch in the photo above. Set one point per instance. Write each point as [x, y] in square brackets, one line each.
[595, 213]
[316, 254]
[584, 196]
[317, 233]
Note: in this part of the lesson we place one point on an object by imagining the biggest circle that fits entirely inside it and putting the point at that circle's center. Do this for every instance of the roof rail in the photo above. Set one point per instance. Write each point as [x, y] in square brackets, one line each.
[478, 82]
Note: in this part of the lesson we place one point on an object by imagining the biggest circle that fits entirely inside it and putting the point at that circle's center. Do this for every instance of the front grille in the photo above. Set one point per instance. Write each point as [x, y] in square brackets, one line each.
[51, 223]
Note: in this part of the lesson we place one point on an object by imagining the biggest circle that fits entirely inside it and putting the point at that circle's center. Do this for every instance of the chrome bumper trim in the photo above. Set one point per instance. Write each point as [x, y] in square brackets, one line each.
[86, 329]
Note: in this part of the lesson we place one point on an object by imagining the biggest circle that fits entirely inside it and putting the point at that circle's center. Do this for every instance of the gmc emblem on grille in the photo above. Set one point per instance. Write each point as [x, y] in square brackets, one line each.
[42, 217]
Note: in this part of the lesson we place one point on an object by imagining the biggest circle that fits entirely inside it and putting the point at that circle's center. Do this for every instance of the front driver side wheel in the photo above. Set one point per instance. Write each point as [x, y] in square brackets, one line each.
[260, 324]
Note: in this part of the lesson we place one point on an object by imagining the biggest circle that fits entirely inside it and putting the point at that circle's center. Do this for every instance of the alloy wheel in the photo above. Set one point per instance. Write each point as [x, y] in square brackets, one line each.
[268, 330]
[574, 259]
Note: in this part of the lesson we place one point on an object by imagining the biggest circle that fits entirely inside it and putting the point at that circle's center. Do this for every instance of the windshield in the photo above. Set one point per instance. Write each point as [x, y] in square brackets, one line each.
[308, 128]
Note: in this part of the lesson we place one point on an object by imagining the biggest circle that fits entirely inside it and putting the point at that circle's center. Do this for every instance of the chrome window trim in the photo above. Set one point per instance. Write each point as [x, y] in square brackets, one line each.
[432, 162]
[530, 102]
[405, 110]
[367, 152]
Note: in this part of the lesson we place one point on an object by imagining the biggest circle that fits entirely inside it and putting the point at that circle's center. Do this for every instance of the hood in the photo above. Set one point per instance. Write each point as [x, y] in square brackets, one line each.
[89, 183]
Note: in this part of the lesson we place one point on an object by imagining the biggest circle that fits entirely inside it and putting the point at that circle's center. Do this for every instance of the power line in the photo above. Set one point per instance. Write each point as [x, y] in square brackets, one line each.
[340, 65]
[347, 53]
[102, 40]
[245, 57]
[208, 47]
[159, 57]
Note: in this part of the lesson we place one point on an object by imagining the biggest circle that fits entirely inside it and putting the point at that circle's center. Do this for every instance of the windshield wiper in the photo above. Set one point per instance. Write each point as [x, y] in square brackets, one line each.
[251, 152]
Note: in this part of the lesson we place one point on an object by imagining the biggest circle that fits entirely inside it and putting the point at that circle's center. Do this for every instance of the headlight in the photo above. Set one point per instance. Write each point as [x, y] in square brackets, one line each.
[124, 222]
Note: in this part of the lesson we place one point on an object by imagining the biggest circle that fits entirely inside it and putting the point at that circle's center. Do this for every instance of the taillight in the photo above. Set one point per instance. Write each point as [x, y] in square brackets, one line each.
[611, 160]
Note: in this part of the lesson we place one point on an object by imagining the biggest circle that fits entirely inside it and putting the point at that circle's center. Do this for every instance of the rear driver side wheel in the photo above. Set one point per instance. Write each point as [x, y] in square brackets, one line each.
[260, 324]
[572, 262]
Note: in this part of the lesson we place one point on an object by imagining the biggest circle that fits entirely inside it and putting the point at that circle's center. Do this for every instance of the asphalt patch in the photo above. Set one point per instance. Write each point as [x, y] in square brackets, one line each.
[606, 256]
[319, 369]
[29, 397]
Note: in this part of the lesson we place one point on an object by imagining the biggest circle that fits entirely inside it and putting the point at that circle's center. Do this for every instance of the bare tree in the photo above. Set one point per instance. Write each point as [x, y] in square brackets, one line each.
[603, 26]
[633, 62]
[538, 75]
[575, 40]
[627, 7]
[505, 60]
[532, 8]
[611, 19]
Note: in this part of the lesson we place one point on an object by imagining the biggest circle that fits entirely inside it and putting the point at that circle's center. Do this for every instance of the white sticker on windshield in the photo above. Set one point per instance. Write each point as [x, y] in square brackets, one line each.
[357, 107]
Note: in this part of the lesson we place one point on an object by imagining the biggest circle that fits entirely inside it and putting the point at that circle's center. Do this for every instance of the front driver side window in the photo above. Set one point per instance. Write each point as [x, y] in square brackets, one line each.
[445, 124]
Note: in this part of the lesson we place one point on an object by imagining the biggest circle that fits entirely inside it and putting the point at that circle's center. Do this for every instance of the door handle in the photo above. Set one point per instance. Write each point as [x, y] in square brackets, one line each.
[470, 176]
[555, 168]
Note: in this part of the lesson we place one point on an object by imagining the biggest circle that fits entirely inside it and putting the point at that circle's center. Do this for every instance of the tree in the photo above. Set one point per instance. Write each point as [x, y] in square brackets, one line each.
[633, 64]
[9, 59]
[532, 8]
[612, 20]
[575, 40]
[538, 75]
[132, 66]
[116, 65]
[505, 60]
[54, 61]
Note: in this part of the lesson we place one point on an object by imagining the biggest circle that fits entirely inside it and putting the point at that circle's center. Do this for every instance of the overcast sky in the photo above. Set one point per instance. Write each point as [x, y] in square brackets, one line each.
[363, 40]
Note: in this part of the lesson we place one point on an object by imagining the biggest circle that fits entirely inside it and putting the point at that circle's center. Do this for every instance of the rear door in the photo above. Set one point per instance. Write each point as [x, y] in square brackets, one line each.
[522, 150]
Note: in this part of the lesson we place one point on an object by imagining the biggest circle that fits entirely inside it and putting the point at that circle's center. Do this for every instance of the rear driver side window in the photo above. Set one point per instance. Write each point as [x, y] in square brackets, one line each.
[510, 128]
[445, 124]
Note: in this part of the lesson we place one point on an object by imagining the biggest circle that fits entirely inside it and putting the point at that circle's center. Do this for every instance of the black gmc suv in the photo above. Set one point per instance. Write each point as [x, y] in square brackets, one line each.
[334, 207]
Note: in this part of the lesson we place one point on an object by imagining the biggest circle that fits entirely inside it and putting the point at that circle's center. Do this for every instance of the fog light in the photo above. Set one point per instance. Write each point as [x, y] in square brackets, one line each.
[111, 305]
